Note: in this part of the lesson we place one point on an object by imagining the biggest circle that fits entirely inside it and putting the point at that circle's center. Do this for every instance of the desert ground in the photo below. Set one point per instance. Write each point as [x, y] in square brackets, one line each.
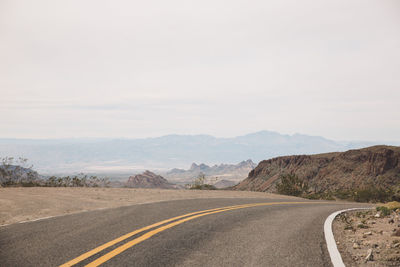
[367, 238]
[31, 203]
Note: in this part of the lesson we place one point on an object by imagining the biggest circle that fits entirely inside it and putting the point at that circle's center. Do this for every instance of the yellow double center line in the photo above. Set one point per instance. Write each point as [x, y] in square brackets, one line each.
[172, 222]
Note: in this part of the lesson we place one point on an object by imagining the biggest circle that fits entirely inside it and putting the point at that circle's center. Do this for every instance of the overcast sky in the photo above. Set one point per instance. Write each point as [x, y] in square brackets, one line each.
[78, 68]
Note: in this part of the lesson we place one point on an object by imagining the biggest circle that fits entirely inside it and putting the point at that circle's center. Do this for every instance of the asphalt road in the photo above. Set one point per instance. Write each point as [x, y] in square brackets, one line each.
[288, 234]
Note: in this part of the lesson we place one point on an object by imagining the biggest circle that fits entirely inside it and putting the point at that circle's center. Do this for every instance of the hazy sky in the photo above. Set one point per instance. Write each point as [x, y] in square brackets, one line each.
[146, 68]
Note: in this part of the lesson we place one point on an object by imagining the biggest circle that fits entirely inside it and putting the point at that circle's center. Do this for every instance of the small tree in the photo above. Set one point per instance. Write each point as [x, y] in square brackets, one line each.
[200, 183]
[200, 180]
[5, 170]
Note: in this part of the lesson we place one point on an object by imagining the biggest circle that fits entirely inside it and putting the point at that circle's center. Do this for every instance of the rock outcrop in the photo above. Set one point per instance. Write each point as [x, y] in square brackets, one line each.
[224, 184]
[353, 169]
[148, 180]
[232, 172]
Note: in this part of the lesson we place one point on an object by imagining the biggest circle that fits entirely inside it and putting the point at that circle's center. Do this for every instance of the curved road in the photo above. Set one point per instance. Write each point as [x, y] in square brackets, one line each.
[271, 233]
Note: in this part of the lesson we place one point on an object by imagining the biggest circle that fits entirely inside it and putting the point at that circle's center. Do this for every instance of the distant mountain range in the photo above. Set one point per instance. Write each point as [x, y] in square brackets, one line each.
[162, 153]
[231, 173]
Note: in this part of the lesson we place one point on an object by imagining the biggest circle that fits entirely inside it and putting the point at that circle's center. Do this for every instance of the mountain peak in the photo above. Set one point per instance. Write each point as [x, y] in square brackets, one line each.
[194, 166]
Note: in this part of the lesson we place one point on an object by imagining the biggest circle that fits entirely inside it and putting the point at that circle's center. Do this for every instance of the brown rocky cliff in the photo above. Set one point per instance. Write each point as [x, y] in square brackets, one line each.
[148, 180]
[372, 166]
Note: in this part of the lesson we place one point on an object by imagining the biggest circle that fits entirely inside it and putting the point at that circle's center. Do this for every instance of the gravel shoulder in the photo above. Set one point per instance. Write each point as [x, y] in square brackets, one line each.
[31, 203]
[367, 238]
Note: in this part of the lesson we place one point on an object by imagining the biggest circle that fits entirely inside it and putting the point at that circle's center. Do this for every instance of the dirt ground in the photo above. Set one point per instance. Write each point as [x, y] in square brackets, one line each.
[31, 203]
[357, 233]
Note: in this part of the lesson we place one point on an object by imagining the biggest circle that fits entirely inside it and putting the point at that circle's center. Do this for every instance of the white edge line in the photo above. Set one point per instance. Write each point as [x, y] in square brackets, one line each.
[334, 253]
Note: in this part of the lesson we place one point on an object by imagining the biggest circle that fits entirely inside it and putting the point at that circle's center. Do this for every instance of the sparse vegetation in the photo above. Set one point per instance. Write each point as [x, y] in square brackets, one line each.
[320, 195]
[362, 226]
[80, 180]
[292, 185]
[370, 194]
[394, 205]
[373, 194]
[388, 208]
[19, 173]
[384, 211]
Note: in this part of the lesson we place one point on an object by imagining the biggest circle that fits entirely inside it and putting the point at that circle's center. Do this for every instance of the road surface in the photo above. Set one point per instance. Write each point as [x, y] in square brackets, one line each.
[249, 232]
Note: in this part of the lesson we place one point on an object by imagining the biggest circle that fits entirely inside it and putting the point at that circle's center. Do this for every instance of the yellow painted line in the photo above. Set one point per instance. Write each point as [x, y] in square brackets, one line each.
[148, 235]
[135, 241]
[119, 239]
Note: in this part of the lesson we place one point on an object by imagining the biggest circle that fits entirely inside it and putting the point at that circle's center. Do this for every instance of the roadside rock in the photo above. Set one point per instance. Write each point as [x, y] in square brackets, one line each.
[397, 233]
[148, 180]
[369, 256]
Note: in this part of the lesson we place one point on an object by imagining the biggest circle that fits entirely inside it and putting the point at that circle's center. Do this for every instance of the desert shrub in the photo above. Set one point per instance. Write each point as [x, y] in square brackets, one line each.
[343, 194]
[313, 196]
[362, 214]
[16, 172]
[384, 210]
[372, 194]
[204, 187]
[80, 180]
[319, 195]
[394, 205]
[362, 226]
[369, 194]
[388, 208]
[291, 185]
[349, 227]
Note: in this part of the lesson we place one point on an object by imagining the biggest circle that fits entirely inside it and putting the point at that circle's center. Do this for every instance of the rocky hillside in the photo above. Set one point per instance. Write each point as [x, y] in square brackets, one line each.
[231, 172]
[224, 184]
[353, 169]
[148, 180]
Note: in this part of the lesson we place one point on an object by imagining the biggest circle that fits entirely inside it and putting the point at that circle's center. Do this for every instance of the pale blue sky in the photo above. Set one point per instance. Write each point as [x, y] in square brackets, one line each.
[147, 68]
